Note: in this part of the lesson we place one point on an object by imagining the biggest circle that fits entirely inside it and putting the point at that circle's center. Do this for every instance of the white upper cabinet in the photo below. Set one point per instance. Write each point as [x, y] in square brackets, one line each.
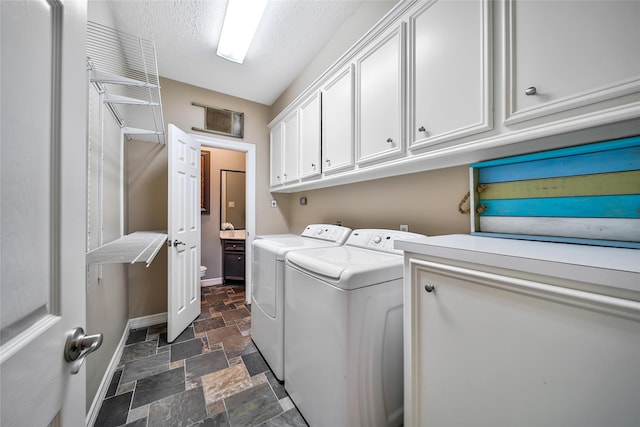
[337, 121]
[449, 71]
[290, 144]
[276, 155]
[566, 54]
[379, 94]
[309, 114]
[440, 83]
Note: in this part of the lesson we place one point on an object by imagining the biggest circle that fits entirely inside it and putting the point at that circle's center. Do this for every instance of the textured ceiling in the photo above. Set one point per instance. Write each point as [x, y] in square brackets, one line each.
[186, 35]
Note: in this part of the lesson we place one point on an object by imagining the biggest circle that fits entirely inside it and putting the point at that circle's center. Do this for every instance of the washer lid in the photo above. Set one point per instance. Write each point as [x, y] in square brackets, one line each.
[282, 246]
[348, 267]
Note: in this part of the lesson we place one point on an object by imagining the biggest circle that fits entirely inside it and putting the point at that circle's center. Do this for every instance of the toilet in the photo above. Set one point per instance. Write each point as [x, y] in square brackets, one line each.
[203, 271]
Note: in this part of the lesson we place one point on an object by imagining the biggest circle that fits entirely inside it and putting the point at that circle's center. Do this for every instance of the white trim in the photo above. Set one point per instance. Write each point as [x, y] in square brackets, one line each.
[211, 282]
[146, 321]
[92, 414]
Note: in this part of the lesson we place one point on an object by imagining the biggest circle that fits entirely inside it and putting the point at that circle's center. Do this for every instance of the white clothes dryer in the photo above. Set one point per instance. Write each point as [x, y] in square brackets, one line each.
[267, 309]
[344, 331]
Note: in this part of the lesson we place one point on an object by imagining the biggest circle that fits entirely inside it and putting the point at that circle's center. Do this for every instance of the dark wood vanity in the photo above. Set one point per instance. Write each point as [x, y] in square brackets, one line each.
[233, 262]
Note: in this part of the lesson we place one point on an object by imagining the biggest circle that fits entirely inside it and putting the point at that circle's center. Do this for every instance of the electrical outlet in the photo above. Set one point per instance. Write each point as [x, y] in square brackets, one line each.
[274, 203]
[404, 227]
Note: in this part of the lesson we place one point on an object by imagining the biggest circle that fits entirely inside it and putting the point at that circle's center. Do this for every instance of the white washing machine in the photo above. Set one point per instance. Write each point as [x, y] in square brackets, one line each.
[344, 342]
[267, 309]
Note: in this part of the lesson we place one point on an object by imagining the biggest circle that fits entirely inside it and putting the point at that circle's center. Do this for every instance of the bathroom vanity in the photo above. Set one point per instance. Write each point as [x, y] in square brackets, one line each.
[233, 258]
[506, 332]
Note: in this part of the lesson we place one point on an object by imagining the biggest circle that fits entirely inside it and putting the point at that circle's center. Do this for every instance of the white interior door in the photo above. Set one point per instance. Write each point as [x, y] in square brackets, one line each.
[42, 213]
[183, 231]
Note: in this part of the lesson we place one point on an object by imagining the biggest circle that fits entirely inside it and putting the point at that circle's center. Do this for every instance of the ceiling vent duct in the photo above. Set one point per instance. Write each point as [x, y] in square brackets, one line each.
[123, 68]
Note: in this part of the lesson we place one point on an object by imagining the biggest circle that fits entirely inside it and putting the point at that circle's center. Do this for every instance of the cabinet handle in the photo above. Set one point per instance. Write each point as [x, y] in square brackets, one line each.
[239, 258]
[313, 165]
[531, 91]
[389, 140]
[328, 161]
[421, 129]
[285, 176]
[429, 288]
[278, 177]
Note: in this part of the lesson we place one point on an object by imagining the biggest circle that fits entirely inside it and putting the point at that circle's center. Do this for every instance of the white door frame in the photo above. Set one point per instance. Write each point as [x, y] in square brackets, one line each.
[250, 150]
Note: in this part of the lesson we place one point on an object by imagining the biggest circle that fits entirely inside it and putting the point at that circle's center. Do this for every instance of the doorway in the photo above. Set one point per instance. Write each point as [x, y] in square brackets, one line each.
[250, 201]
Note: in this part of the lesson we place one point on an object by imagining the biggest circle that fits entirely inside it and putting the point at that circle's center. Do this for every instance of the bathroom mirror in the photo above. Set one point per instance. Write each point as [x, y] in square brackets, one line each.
[232, 199]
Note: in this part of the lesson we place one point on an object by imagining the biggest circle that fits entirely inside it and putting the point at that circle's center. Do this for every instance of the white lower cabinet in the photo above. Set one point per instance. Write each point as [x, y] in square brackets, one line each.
[506, 341]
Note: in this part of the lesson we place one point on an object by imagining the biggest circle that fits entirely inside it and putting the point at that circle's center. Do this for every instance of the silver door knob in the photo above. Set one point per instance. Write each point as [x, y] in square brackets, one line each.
[429, 288]
[178, 242]
[531, 91]
[78, 346]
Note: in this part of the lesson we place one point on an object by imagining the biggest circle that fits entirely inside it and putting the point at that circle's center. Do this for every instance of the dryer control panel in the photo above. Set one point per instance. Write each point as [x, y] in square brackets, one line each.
[379, 239]
[328, 232]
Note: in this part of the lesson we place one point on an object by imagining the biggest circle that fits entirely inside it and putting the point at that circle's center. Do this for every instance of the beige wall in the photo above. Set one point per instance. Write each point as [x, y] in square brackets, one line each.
[427, 202]
[147, 183]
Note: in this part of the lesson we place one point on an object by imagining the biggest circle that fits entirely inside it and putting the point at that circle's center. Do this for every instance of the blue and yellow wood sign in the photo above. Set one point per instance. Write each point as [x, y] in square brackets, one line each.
[588, 194]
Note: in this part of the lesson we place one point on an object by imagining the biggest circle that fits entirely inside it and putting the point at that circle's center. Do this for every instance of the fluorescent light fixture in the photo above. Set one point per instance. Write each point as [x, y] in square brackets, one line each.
[240, 23]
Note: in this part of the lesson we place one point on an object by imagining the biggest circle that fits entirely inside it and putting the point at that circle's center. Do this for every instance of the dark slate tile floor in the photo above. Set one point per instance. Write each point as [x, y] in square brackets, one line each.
[211, 375]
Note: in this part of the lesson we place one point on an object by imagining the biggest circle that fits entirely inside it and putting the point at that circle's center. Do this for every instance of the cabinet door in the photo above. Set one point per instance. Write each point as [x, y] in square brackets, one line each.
[507, 349]
[379, 108]
[337, 122]
[567, 54]
[276, 154]
[309, 113]
[449, 57]
[290, 143]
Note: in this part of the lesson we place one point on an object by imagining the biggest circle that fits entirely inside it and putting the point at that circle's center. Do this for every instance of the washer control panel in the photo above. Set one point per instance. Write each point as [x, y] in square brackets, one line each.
[328, 232]
[379, 239]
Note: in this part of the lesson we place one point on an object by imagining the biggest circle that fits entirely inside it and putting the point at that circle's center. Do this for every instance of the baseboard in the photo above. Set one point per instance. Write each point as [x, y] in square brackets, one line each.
[138, 322]
[106, 379]
[146, 321]
[211, 282]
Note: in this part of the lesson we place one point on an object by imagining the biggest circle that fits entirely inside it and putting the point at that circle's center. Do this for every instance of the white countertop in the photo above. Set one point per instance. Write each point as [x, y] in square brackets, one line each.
[233, 234]
[610, 267]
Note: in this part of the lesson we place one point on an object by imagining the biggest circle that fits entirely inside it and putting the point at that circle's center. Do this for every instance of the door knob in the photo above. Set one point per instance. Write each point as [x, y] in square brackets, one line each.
[178, 242]
[78, 346]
